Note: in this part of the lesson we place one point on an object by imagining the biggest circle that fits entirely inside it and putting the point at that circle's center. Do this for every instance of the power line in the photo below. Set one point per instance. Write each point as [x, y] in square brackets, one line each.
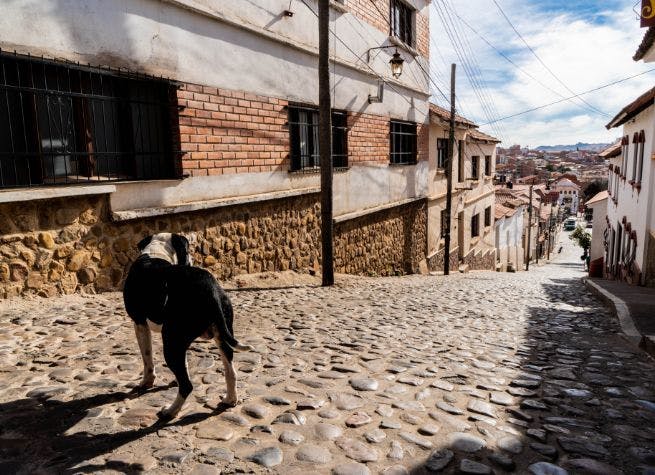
[476, 69]
[450, 29]
[508, 59]
[574, 96]
[381, 78]
[544, 64]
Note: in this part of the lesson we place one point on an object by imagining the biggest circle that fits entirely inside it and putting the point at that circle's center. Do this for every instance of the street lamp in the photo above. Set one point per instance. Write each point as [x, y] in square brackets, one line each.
[396, 62]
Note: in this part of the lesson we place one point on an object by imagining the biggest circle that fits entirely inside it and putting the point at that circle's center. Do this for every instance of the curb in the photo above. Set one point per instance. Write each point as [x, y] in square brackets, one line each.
[620, 309]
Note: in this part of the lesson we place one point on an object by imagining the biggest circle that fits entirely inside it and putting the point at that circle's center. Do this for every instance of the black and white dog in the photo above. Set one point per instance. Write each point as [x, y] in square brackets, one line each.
[164, 293]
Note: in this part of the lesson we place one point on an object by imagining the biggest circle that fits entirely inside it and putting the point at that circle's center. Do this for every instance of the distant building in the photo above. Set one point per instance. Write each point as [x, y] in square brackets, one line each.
[568, 195]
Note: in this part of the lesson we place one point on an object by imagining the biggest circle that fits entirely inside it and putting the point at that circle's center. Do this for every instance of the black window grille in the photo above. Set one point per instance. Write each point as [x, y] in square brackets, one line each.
[444, 223]
[402, 142]
[303, 132]
[402, 21]
[475, 225]
[460, 161]
[442, 153]
[487, 165]
[65, 124]
[475, 167]
[487, 216]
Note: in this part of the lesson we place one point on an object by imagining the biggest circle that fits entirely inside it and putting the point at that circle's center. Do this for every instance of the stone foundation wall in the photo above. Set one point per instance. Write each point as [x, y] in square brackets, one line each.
[50, 247]
[481, 260]
[436, 262]
[389, 242]
[61, 246]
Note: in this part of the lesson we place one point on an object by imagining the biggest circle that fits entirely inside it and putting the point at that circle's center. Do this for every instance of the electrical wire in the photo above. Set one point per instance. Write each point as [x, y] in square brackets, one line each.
[544, 64]
[470, 71]
[509, 60]
[618, 81]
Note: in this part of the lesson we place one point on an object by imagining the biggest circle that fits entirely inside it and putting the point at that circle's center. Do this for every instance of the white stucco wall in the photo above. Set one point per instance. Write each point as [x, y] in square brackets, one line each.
[241, 45]
[509, 232]
[598, 229]
[637, 206]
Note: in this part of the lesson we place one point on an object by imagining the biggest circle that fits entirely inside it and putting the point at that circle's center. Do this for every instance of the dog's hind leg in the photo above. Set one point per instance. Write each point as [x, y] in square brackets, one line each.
[145, 345]
[175, 349]
[227, 354]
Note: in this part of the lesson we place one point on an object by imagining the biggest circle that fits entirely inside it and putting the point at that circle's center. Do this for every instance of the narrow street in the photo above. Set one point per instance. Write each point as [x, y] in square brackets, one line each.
[468, 373]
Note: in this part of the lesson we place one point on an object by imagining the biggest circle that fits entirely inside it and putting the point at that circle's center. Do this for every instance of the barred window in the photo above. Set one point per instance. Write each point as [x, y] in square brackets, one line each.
[66, 124]
[460, 162]
[487, 165]
[442, 153]
[487, 216]
[402, 142]
[444, 223]
[475, 167]
[640, 165]
[402, 21]
[303, 133]
[475, 225]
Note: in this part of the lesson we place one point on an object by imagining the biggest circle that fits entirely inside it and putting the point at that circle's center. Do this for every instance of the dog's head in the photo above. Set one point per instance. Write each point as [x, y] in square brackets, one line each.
[173, 248]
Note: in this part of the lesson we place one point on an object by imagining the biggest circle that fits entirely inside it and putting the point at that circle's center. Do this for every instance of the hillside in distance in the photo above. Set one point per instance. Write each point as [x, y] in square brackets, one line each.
[591, 147]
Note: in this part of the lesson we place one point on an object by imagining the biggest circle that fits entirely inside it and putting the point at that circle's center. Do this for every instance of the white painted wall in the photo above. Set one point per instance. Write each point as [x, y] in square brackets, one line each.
[637, 206]
[242, 45]
[509, 232]
[598, 229]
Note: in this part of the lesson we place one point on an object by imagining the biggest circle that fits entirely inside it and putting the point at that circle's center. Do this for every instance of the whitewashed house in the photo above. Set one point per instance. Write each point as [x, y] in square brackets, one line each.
[631, 206]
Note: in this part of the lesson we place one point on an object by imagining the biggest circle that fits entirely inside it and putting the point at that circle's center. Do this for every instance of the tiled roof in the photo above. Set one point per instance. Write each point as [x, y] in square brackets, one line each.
[646, 44]
[444, 115]
[598, 197]
[501, 211]
[632, 109]
[481, 136]
[613, 150]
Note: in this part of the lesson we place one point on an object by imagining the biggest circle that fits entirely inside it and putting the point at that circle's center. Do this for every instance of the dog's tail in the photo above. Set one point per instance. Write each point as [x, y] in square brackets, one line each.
[227, 338]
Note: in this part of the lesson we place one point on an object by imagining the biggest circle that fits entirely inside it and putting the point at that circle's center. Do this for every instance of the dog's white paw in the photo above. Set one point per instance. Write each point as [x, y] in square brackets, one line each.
[146, 383]
[229, 401]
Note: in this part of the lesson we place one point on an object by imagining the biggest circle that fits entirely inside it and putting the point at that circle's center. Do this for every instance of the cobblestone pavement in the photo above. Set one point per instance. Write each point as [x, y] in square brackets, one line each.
[471, 373]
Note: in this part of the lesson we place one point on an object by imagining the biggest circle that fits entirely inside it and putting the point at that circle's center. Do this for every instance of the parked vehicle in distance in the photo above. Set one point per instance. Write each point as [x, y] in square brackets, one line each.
[569, 224]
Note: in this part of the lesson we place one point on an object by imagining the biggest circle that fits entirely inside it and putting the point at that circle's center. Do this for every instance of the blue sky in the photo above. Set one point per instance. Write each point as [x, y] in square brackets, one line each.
[584, 43]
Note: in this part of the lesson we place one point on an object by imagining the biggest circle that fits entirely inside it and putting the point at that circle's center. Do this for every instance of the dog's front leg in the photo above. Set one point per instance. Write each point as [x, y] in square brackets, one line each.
[145, 345]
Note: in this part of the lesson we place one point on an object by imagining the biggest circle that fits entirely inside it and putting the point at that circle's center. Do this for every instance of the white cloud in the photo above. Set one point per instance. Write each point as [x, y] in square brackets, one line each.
[584, 54]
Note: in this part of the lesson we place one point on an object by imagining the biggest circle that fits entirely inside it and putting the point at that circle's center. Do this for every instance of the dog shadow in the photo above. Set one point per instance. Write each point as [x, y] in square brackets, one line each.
[33, 434]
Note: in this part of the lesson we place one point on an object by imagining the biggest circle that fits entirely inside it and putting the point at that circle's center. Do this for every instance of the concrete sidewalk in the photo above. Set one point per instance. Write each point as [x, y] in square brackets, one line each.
[634, 307]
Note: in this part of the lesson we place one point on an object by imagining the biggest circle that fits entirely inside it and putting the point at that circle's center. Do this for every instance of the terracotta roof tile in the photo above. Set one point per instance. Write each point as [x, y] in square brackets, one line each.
[444, 114]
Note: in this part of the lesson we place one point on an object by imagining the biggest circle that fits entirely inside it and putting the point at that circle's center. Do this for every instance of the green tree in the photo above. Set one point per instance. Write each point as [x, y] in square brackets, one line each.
[594, 188]
[582, 238]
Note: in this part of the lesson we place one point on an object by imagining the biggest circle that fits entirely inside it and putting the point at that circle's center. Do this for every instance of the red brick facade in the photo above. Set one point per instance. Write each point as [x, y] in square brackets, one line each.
[225, 132]
[376, 14]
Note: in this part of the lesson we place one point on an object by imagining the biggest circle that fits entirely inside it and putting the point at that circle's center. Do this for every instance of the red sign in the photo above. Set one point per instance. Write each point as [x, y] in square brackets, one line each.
[647, 13]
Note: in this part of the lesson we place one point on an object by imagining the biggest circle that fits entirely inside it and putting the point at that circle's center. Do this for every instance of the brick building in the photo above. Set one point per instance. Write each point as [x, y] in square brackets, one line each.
[200, 116]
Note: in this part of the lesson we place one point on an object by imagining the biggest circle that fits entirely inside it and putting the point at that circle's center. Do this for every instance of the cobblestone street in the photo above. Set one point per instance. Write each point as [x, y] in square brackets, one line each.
[471, 373]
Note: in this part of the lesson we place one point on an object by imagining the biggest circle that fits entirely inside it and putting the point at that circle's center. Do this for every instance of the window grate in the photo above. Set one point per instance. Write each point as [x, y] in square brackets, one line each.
[487, 165]
[402, 142]
[442, 153]
[62, 124]
[303, 133]
[401, 22]
[475, 167]
[475, 225]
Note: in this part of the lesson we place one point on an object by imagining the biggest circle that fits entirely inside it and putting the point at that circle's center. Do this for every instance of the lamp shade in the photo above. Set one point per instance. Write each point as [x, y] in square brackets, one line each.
[396, 63]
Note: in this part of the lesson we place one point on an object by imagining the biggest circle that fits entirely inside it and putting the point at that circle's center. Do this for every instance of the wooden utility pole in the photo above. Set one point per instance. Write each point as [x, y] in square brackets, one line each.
[449, 173]
[527, 263]
[325, 140]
